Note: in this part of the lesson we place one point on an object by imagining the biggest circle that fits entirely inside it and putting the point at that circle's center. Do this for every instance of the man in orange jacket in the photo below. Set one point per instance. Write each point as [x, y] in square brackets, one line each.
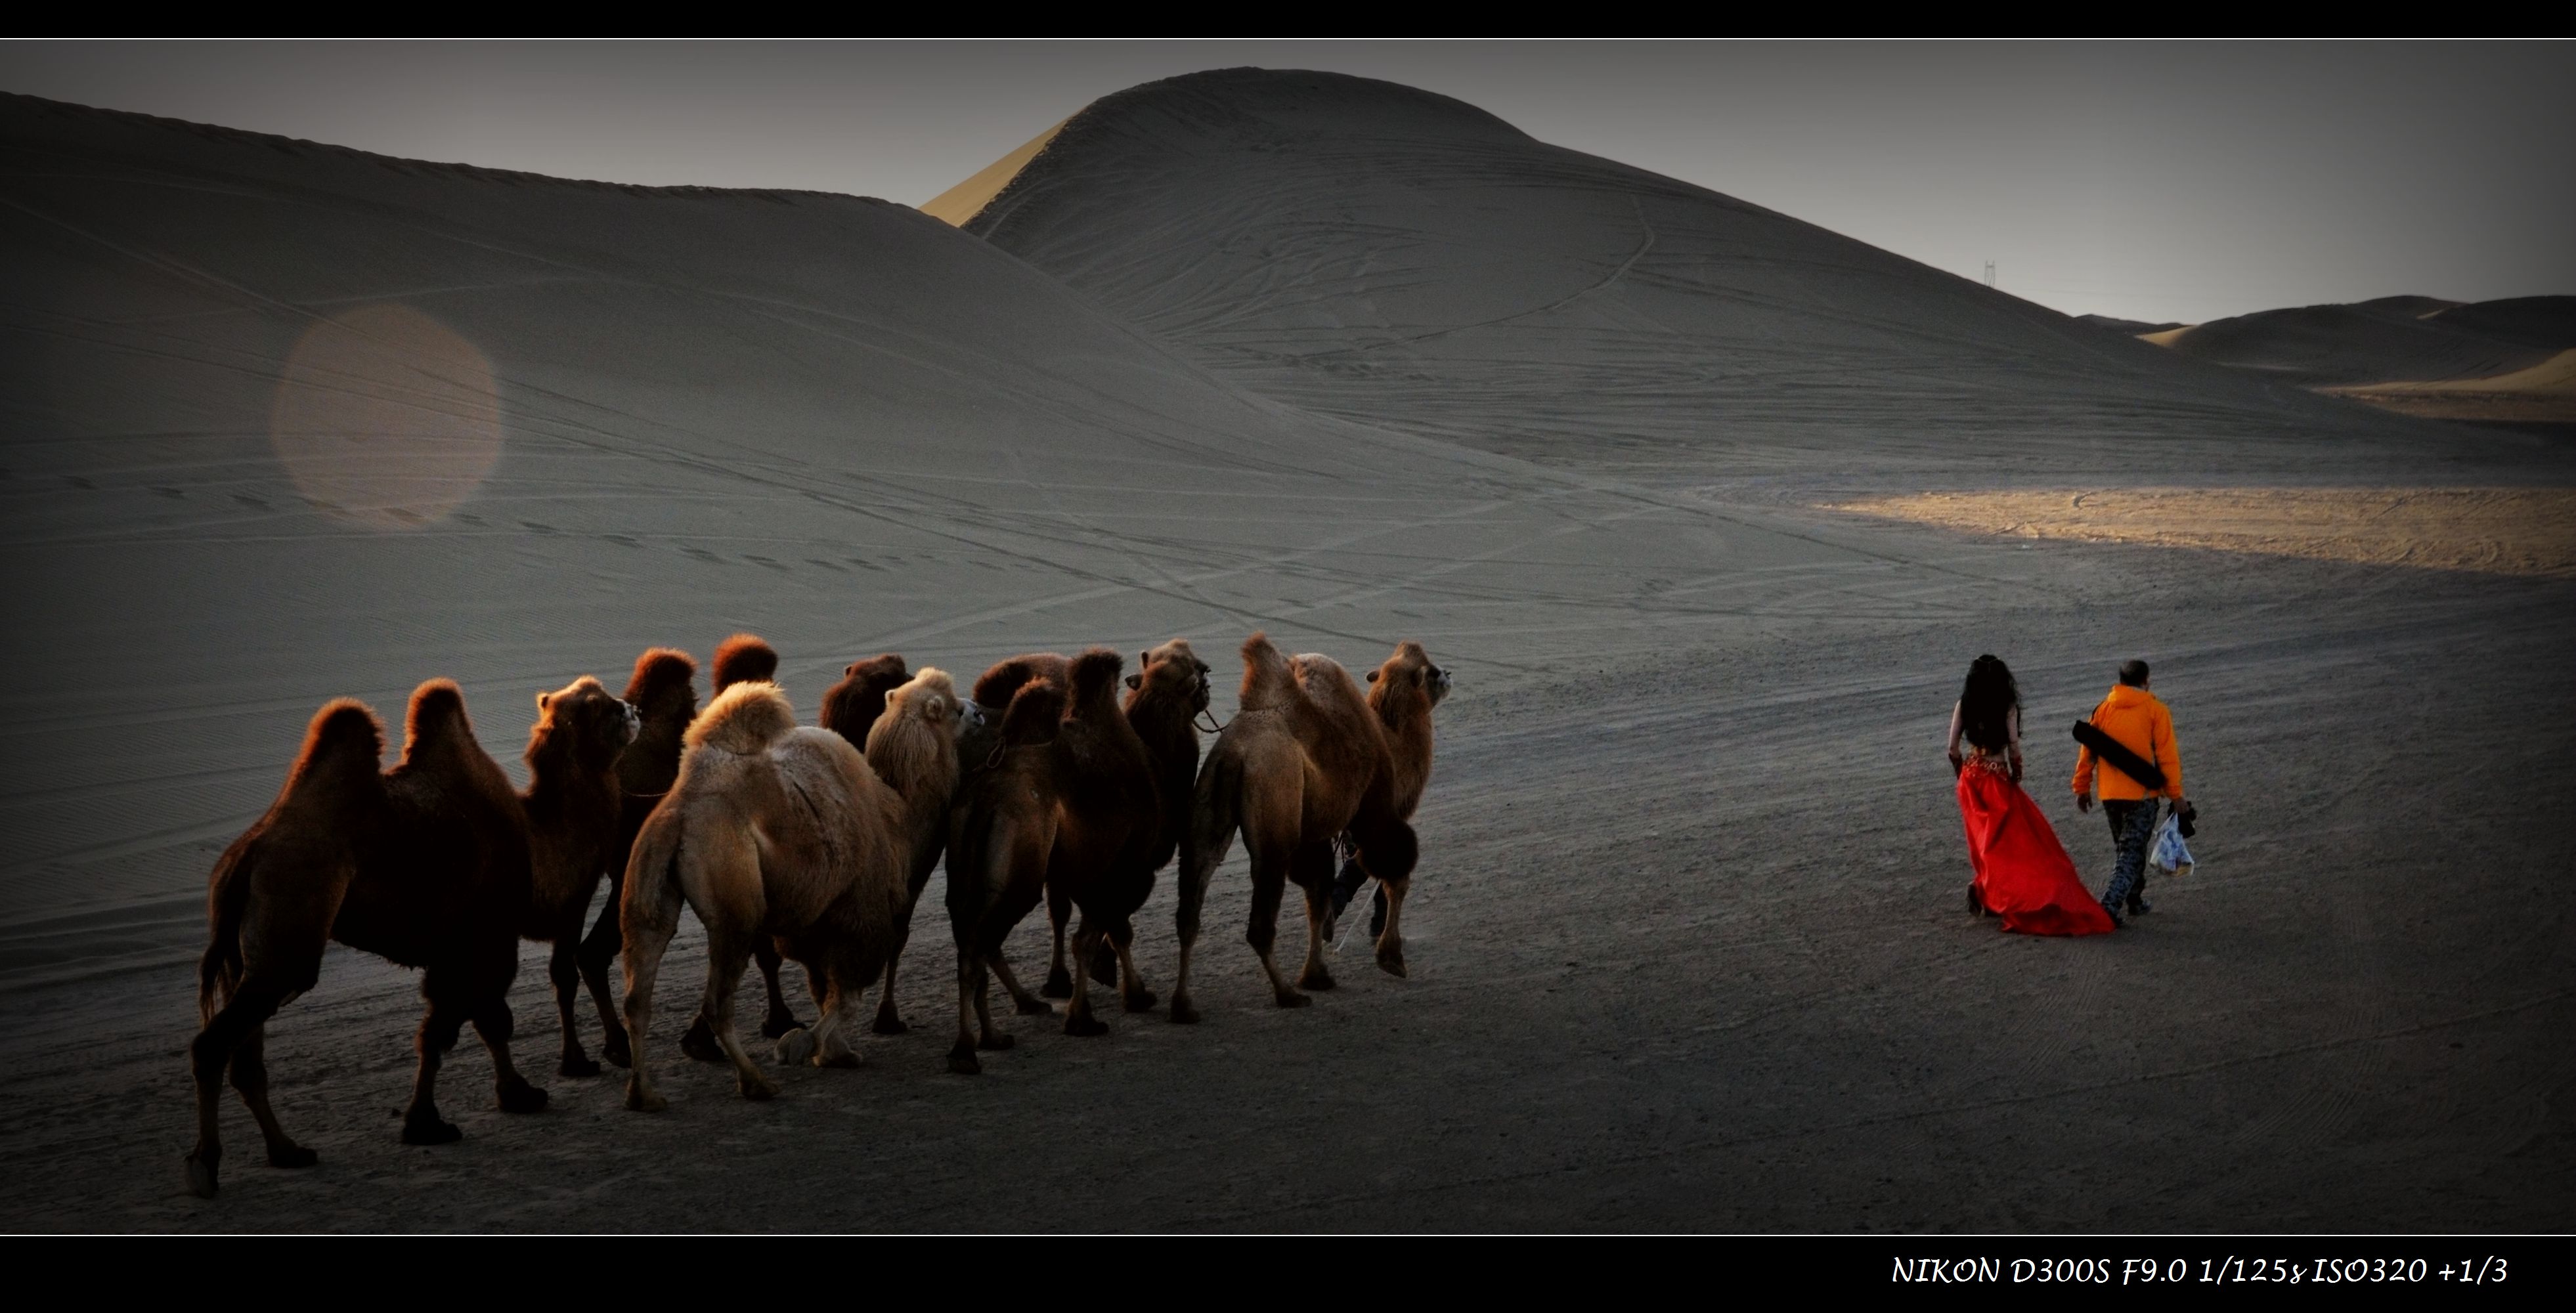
[2141, 723]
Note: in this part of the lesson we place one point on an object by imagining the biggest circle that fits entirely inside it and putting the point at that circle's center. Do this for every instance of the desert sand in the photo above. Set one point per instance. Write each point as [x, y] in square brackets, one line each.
[1351, 363]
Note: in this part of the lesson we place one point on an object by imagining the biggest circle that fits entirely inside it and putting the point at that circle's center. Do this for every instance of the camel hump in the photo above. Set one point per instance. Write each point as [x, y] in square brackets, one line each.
[345, 736]
[1034, 713]
[1268, 682]
[1094, 676]
[436, 720]
[744, 719]
[743, 659]
[997, 686]
[659, 668]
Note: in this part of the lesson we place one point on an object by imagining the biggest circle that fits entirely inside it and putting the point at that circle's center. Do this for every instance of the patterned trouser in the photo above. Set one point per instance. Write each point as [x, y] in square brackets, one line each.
[2133, 829]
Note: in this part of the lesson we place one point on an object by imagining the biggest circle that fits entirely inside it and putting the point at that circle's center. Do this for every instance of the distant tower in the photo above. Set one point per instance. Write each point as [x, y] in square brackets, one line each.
[1990, 273]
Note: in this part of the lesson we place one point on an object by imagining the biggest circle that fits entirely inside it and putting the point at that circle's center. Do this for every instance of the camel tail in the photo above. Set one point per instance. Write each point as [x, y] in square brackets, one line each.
[227, 901]
[650, 903]
[1214, 817]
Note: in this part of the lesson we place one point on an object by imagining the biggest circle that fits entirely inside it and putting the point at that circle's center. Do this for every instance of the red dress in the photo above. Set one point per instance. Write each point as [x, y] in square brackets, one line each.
[2023, 872]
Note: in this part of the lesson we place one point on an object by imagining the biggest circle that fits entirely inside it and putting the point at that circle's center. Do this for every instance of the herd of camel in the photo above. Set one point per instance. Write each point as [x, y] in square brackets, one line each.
[809, 843]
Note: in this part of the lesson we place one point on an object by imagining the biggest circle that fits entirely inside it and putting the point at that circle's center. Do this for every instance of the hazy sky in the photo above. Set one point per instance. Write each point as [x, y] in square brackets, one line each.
[2150, 181]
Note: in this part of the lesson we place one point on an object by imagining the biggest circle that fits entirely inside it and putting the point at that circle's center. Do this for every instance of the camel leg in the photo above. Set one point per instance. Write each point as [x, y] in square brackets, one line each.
[250, 1078]
[564, 968]
[493, 1021]
[598, 950]
[1026, 1003]
[1192, 895]
[832, 1032]
[1077, 1014]
[970, 1010]
[225, 1036]
[1390, 946]
[438, 1030]
[727, 954]
[1059, 983]
[988, 1037]
[1131, 982]
[1269, 880]
[643, 965]
[889, 1022]
[780, 1019]
[1313, 873]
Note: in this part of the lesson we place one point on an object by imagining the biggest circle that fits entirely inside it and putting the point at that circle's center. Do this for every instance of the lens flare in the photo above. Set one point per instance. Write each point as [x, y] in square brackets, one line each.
[386, 418]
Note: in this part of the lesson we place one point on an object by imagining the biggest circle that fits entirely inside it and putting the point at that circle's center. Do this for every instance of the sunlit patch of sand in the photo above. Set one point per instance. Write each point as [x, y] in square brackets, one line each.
[2544, 393]
[2524, 531]
[385, 417]
[967, 199]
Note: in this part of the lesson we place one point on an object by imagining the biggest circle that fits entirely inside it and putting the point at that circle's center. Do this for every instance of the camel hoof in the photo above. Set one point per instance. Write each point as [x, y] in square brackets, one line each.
[759, 1091]
[1183, 1014]
[522, 1097]
[645, 1100]
[613, 1050]
[1142, 1000]
[1059, 984]
[1293, 999]
[577, 1066]
[1392, 964]
[888, 1023]
[700, 1043]
[961, 1062]
[997, 1042]
[779, 1023]
[201, 1177]
[431, 1131]
[1038, 1007]
[796, 1046]
[1086, 1027]
[1315, 978]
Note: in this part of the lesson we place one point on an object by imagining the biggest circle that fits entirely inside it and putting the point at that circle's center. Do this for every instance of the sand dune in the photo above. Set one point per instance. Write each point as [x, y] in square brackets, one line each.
[1351, 363]
[1368, 250]
[2391, 340]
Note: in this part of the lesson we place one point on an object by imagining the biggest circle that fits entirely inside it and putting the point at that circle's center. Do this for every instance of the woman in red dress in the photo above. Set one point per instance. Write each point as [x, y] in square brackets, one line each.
[2023, 873]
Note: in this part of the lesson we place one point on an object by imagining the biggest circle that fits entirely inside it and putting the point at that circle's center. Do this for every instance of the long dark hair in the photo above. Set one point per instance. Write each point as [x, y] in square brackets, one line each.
[1987, 702]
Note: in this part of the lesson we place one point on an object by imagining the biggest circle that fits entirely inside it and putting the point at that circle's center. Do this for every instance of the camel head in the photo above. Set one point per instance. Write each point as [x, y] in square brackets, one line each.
[913, 746]
[584, 723]
[1174, 670]
[1408, 671]
[743, 659]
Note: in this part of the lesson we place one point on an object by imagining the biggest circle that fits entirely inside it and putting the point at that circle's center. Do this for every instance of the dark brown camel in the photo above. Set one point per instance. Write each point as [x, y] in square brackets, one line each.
[1401, 694]
[665, 700]
[1002, 828]
[426, 865]
[572, 804]
[1302, 763]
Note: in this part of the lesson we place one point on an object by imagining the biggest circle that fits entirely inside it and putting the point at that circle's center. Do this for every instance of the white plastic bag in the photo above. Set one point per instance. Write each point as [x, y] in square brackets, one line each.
[2169, 854]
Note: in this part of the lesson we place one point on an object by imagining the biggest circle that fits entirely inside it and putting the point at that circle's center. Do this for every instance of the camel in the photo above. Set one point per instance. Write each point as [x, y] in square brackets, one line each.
[427, 865]
[1401, 694]
[665, 700]
[1095, 782]
[787, 833]
[850, 708]
[572, 807]
[1302, 763]
[745, 659]
[1002, 828]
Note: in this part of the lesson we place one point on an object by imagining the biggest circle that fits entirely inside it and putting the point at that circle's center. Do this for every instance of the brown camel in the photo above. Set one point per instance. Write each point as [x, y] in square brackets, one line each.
[665, 700]
[850, 709]
[1302, 762]
[1002, 828]
[776, 832]
[426, 865]
[745, 659]
[1401, 694]
[572, 805]
[1100, 784]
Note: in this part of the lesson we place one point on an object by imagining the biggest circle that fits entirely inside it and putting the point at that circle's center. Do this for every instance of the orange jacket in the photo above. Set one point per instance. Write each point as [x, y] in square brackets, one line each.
[2142, 725]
